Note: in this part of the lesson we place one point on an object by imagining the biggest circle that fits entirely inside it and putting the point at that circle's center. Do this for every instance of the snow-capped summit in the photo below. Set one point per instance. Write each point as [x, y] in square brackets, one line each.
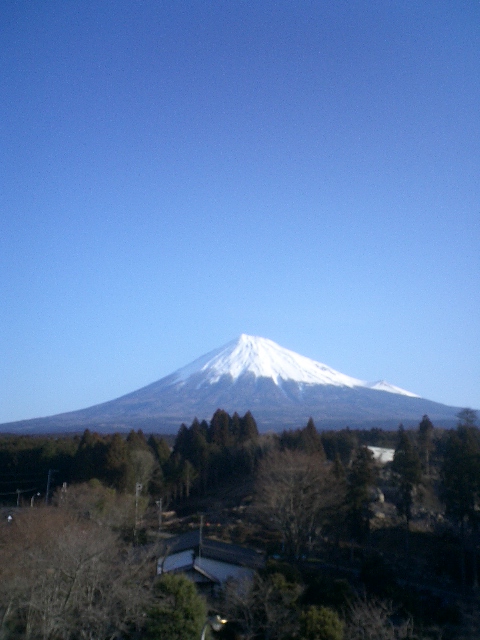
[282, 389]
[266, 359]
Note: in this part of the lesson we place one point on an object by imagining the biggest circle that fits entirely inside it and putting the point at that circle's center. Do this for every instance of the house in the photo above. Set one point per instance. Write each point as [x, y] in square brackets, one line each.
[208, 562]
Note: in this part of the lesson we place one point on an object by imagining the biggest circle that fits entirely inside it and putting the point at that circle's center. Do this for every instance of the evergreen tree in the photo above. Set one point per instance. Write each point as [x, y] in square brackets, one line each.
[160, 448]
[173, 475]
[236, 427]
[425, 440]
[180, 612]
[118, 470]
[338, 470]
[200, 454]
[181, 446]
[136, 440]
[310, 440]
[219, 431]
[89, 461]
[407, 471]
[406, 467]
[290, 439]
[344, 443]
[320, 623]
[361, 481]
[248, 428]
[204, 428]
[460, 476]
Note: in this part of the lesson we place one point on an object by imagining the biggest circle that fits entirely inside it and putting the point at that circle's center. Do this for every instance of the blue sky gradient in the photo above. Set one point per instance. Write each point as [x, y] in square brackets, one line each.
[176, 173]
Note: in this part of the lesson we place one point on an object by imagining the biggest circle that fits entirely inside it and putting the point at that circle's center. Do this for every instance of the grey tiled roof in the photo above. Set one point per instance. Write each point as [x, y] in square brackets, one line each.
[214, 549]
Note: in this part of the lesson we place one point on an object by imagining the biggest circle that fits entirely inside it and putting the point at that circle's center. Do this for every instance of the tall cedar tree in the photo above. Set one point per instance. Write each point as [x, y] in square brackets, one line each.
[306, 439]
[425, 440]
[219, 431]
[361, 481]
[460, 476]
[343, 443]
[311, 440]
[406, 467]
[248, 428]
[118, 470]
[160, 448]
[136, 440]
[89, 461]
[235, 426]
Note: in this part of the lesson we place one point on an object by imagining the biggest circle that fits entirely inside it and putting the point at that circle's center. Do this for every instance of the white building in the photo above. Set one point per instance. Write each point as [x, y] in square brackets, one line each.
[381, 454]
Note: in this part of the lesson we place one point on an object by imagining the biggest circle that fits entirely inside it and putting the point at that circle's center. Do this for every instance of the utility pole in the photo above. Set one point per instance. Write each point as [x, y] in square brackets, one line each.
[49, 480]
[159, 505]
[200, 537]
[138, 488]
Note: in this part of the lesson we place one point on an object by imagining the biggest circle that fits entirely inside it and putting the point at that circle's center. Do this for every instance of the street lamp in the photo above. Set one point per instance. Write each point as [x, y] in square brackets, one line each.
[32, 499]
[216, 622]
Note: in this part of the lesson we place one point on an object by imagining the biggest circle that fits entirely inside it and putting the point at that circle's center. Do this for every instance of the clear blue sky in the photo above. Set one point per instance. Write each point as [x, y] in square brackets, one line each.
[175, 173]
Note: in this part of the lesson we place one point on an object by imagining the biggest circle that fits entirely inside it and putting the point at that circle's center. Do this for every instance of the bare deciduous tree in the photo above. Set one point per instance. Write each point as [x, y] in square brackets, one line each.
[264, 606]
[65, 577]
[295, 492]
[143, 463]
[93, 501]
[372, 619]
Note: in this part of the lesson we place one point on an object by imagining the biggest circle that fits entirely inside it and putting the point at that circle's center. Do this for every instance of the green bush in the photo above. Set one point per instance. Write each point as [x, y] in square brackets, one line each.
[180, 612]
[320, 623]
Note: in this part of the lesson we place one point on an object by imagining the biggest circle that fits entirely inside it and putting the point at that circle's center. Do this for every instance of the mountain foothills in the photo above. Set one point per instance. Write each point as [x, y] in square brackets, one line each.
[282, 388]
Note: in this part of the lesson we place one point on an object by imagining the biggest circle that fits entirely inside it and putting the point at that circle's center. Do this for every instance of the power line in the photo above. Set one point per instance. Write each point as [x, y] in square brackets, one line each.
[20, 475]
[14, 493]
[19, 481]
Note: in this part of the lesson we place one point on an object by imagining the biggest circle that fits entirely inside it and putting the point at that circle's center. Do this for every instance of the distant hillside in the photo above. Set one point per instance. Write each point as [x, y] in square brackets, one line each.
[281, 388]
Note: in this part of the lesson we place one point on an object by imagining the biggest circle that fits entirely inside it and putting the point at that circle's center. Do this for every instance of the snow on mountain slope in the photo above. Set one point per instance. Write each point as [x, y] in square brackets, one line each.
[382, 385]
[281, 388]
[265, 359]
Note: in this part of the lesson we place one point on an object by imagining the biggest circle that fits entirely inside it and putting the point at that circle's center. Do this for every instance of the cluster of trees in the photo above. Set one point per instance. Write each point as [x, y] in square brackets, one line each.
[27, 463]
[202, 456]
[299, 485]
[205, 454]
[276, 605]
[72, 570]
[67, 575]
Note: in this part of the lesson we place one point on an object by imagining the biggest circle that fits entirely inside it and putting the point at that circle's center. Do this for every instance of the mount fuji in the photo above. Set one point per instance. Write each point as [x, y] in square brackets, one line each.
[281, 388]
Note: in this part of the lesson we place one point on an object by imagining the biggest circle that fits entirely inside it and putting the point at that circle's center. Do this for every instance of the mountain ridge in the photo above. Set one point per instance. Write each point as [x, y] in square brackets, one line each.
[280, 387]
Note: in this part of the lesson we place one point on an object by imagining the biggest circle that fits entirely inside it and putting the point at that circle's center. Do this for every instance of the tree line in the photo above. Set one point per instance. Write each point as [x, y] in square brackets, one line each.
[204, 454]
[314, 504]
